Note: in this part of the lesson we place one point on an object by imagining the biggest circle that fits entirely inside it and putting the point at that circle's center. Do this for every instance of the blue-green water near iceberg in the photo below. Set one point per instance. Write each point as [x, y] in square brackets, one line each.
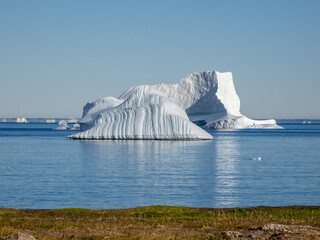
[41, 168]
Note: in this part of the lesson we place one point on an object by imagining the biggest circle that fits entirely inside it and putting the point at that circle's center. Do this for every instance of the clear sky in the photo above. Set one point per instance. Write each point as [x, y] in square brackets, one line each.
[55, 56]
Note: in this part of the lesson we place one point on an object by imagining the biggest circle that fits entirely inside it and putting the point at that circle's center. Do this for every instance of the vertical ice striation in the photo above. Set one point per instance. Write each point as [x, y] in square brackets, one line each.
[92, 110]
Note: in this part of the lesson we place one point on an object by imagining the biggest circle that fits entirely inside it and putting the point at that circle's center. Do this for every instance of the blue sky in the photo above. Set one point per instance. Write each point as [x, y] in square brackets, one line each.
[55, 56]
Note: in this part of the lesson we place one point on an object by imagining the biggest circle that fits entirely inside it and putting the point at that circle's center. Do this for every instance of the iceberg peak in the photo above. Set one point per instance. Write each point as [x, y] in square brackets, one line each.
[210, 100]
[204, 93]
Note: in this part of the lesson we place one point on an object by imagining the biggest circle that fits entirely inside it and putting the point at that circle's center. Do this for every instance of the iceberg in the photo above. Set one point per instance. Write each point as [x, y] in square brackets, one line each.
[50, 121]
[142, 112]
[72, 120]
[63, 125]
[22, 120]
[75, 127]
[209, 99]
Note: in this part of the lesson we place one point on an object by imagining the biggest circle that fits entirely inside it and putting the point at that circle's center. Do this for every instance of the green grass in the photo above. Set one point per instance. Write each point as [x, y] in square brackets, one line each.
[154, 222]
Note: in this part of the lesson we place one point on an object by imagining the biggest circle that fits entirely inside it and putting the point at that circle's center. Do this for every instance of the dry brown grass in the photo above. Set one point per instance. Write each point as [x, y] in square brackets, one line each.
[155, 222]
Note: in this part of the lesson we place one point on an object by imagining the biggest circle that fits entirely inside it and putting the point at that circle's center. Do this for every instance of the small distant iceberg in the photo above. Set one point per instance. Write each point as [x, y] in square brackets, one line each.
[75, 127]
[50, 121]
[63, 125]
[72, 120]
[22, 120]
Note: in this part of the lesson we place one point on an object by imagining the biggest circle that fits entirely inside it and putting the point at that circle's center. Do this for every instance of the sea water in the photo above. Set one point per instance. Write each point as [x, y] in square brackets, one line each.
[41, 168]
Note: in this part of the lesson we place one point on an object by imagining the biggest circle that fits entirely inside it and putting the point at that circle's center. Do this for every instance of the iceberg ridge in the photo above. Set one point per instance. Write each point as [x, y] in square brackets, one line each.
[211, 101]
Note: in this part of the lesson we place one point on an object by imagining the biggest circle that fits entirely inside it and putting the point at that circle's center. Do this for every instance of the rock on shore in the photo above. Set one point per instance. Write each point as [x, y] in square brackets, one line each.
[19, 236]
[275, 231]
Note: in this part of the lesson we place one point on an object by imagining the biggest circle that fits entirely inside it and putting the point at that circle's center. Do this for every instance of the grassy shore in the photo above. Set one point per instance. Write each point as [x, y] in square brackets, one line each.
[155, 222]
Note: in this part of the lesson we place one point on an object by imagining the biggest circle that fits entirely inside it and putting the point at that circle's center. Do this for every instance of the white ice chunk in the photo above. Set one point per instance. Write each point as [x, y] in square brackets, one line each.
[75, 127]
[22, 120]
[63, 125]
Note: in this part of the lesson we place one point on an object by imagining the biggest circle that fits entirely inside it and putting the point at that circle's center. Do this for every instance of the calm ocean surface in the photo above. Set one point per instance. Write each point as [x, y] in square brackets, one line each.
[41, 168]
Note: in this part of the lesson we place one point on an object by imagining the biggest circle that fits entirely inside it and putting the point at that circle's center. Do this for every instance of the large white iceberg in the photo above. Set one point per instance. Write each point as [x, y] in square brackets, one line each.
[209, 99]
[141, 113]
[165, 111]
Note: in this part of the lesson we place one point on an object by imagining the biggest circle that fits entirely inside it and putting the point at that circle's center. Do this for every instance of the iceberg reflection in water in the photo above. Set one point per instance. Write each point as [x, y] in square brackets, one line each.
[162, 172]
[227, 172]
[148, 172]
